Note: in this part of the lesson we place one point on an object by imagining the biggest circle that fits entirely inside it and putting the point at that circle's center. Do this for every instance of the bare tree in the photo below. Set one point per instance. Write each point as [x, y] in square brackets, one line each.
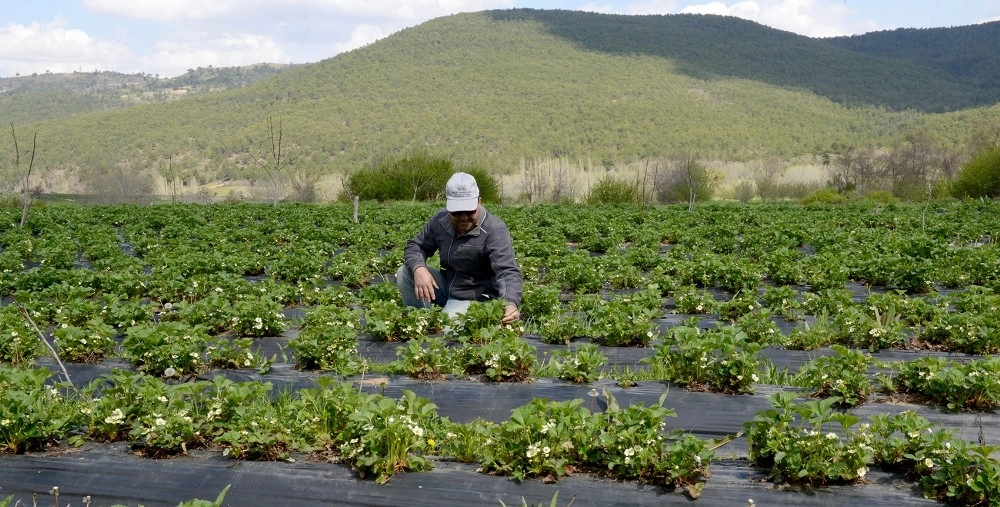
[551, 181]
[767, 176]
[303, 183]
[534, 184]
[120, 183]
[28, 194]
[273, 163]
[170, 174]
[856, 169]
[645, 181]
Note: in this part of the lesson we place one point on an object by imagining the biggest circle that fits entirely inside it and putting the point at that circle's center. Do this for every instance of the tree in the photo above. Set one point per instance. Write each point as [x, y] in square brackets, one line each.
[914, 164]
[119, 183]
[767, 176]
[274, 162]
[170, 175]
[855, 169]
[304, 179]
[28, 194]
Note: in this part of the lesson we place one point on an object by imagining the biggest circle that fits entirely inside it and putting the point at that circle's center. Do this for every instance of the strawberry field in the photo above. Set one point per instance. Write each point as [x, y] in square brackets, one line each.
[728, 355]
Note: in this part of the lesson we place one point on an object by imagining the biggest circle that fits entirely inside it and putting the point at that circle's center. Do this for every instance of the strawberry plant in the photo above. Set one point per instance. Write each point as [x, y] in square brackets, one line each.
[634, 445]
[234, 353]
[971, 333]
[18, 341]
[257, 317]
[621, 274]
[760, 327]
[843, 375]
[427, 359]
[464, 442]
[172, 422]
[539, 301]
[693, 301]
[783, 300]
[388, 320]
[796, 442]
[830, 301]
[111, 404]
[875, 330]
[123, 313]
[168, 348]
[912, 311]
[326, 295]
[257, 428]
[481, 324]
[623, 323]
[719, 360]
[811, 336]
[580, 365]
[742, 303]
[294, 264]
[212, 312]
[560, 328]
[974, 385]
[578, 272]
[320, 415]
[328, 340]
[387, 436]
[783, 266]
[947, 468]
[33, 415]
[541, 439]
[86, 344]
[505, 358]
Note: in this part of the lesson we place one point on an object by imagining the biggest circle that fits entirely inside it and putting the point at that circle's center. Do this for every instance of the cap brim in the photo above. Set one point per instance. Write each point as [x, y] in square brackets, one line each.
[470, 204]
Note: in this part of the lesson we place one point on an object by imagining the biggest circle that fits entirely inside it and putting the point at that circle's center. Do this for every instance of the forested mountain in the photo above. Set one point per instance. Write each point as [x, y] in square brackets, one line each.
[498, 87]
[928, 70]
[24, 99]
[968, 54]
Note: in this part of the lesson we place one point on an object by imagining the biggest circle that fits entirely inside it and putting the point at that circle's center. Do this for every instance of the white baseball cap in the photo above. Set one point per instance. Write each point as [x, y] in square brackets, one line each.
[462, 193]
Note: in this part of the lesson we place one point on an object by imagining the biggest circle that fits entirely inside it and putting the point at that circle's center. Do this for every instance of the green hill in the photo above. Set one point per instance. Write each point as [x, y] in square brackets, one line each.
[498, 87]
[912, 69]
[25, 99]
[967, 54]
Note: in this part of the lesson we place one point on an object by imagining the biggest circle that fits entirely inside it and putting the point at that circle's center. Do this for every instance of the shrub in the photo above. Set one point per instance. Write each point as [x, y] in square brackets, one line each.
[825, 196]
[611, 190]
[980, 177]
[418, 176]
[881, 196]
[684, 178]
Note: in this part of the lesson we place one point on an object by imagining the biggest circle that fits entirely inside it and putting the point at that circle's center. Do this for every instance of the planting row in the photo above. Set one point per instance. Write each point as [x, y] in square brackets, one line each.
[796, 442]
[725, 358]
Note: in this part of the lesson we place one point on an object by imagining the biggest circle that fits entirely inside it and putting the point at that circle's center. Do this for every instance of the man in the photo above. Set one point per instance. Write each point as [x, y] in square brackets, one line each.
[477, 256]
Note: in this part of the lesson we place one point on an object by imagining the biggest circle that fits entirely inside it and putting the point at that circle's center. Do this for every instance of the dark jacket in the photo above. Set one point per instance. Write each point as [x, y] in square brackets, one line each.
[476, 266]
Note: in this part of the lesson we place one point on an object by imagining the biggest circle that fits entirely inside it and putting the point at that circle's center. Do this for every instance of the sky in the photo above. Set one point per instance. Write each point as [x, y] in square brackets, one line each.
[165, 38]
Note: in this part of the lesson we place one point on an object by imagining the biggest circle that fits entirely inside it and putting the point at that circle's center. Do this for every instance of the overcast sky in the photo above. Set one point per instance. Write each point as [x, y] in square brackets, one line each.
[167, 37]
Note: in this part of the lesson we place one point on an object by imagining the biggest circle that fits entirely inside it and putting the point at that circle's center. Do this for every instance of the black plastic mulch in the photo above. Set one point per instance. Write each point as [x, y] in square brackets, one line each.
[109, 474]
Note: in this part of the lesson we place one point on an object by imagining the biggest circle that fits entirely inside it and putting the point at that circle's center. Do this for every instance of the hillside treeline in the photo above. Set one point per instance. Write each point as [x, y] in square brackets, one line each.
[505, 89]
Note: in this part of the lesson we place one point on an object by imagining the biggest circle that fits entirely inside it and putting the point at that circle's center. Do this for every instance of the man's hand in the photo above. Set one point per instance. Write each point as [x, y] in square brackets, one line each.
[510, 314]
[424, 285]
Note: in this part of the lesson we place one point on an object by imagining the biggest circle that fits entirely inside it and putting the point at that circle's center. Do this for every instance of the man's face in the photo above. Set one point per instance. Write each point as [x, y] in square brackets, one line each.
[464, 221]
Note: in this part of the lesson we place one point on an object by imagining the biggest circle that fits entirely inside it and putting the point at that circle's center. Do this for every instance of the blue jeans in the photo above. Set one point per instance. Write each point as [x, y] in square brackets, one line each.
[452, 306]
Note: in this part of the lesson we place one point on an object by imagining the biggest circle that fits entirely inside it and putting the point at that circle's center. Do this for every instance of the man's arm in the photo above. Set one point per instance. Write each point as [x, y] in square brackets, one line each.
[506, 271]
[420, 247]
